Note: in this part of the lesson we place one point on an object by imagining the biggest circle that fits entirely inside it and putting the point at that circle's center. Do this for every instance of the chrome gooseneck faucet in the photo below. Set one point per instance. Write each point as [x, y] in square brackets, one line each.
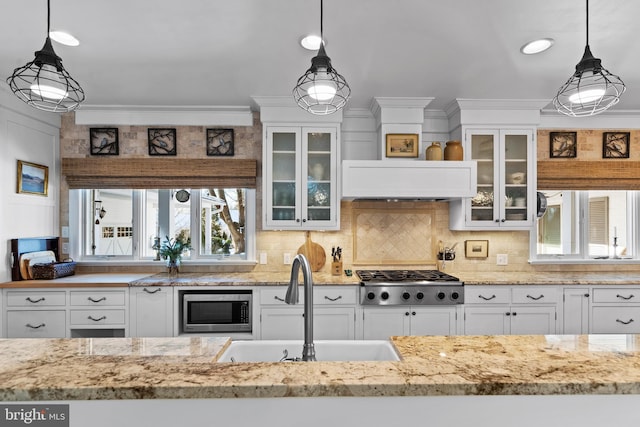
[308, 351]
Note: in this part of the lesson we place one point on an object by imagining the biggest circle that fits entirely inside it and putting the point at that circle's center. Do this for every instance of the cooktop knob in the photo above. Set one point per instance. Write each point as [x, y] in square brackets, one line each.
[455, 295]
[440, 295]
[384, 295]
[420, 295]
[406, 295]
[371, 295]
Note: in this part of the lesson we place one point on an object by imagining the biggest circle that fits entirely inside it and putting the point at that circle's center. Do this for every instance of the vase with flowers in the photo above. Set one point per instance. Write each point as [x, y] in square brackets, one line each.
[172, 250]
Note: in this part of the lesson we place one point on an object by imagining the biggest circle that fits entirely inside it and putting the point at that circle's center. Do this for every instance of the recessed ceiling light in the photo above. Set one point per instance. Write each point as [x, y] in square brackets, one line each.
[64, 38]
[536, 46]
[311, 42]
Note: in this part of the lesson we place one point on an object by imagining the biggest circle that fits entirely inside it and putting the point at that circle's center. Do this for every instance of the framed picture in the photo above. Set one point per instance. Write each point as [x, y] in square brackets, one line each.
[219, 142]
[103, 141]
[476, 248]
[32, 178]
[162, 142]
[402, 145]
[563, 144]
[615, 145]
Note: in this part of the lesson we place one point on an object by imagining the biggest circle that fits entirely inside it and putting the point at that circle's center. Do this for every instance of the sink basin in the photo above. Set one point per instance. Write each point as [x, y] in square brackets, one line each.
[326, 350]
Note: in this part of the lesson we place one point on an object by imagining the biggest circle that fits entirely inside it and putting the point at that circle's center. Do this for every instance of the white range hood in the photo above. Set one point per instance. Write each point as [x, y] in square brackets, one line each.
[408, 179]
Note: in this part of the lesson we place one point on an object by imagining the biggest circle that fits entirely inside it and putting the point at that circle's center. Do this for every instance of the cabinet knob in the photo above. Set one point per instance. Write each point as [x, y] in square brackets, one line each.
[406, 313]
[502, 220]
[586, 295]
[507, 314]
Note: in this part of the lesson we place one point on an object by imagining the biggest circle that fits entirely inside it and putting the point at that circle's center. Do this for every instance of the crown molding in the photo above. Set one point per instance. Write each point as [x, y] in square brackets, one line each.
[164, 115]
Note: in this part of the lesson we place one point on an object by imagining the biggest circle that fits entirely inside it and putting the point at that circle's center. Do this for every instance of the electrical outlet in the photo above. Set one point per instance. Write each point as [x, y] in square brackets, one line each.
[502, 259]
[65, 232]
[65, 248]
[263, 257]
[286, 258]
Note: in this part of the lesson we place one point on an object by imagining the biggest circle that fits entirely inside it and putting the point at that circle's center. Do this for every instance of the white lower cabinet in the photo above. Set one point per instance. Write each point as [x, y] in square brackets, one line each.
[151, 311]
[615, 311]
[575, 310]
[36, 314]
[383, 322]
[517, 310]
[333, 313]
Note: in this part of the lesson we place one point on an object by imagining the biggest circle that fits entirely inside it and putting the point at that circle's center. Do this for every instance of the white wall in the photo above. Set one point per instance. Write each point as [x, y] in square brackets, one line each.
[30, 135]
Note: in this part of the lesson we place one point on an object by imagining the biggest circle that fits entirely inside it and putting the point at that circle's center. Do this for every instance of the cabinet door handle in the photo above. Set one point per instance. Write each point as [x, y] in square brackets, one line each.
[97, 300]
[41, 325]
[535, 298]
[486, 298]
[333, 299]
[35, 301]
[98, 319]
[623, 322]
[625, 298]
[278, 298]
[155, 291]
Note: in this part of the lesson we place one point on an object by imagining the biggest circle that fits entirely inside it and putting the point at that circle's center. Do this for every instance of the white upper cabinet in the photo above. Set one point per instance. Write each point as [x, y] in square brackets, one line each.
[506, 197]
[300, 178]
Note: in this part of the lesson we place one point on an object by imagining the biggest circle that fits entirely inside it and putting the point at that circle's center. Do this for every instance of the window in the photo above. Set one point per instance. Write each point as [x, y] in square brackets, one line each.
[588, 225]
[129, 225]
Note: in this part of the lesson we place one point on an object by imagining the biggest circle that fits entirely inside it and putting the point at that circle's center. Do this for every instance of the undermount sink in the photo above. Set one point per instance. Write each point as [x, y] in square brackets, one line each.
[326, 350]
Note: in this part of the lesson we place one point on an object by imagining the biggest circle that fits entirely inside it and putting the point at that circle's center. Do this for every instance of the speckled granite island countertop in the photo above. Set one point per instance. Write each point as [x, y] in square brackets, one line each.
[185, 368]
[239, 279]
[549, 278]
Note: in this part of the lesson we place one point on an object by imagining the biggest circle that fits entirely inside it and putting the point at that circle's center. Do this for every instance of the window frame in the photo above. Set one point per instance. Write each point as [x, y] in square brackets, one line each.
[80, 213]
[583, 256]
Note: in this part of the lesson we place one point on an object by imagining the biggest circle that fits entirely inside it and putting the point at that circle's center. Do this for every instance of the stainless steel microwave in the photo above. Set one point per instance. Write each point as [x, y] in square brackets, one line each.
[217, 311]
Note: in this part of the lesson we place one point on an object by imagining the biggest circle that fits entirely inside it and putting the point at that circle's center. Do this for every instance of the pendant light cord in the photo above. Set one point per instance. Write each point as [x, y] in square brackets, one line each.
[587, 22]
[48, 17]
[321, 20]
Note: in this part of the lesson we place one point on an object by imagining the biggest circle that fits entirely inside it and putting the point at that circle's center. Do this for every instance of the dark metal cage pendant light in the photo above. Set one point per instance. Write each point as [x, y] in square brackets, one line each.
[321, 90]
[44, 83]
[591, 89]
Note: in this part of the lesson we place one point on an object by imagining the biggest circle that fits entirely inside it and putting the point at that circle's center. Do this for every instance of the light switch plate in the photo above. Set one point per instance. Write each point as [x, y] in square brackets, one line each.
[502, 259]
[286, 258]
[65, 232]
[263, 257]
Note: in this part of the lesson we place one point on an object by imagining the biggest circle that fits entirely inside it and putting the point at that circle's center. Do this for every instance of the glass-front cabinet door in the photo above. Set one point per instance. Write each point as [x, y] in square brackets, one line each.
[506, 179]
[300, 178]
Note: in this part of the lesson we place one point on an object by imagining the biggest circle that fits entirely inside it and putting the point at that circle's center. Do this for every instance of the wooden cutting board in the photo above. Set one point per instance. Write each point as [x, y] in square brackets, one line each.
[314, 253]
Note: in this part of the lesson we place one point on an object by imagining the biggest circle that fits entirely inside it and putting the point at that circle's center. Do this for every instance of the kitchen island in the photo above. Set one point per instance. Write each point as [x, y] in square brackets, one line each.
[504, 380]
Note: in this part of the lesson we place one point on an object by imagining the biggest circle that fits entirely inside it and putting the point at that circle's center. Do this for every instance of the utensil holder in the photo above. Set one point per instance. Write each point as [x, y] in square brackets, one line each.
[336, 268]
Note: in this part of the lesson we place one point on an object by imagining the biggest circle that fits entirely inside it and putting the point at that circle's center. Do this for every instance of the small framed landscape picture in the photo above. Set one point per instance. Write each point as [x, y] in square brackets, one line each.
[402, 145]
[103, 141]
[219, 142]
[476, 248]
[32, 178]
[162, 142]
[562, 144]
[615, 145]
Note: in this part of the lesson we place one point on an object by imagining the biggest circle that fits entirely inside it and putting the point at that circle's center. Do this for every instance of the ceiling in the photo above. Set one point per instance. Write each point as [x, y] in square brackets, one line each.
[218, 53]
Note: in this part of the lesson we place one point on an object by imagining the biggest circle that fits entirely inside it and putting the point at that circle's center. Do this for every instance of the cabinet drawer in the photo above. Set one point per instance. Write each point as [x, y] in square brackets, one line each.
[615, 320]
[478, 295]
[534, 295]
[97, 298]
[35, 298]
[619, 295]
[36, 324]
[334, 296]
[276, 296]
[97, 317]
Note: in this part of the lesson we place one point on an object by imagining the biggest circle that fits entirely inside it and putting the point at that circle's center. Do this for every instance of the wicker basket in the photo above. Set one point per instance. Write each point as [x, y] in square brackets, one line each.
[53, 270]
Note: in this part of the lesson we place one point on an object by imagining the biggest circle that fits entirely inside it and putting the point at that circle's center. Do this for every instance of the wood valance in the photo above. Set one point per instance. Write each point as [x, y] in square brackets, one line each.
[588, 175]
[163, 173]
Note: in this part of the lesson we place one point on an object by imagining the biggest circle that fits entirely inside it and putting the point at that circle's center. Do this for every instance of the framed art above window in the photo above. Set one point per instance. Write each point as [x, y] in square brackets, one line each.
[219, 142]
[562, 144]
[103, 141]
[615, 145]
[162, 142]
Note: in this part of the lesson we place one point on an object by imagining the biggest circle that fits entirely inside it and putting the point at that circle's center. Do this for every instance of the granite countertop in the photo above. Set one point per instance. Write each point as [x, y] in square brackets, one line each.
[107, 280]
[550, 278]
[239, 279]
[185, 368]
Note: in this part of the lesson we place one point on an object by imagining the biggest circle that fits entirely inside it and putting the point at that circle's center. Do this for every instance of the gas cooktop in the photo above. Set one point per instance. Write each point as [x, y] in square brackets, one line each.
[409, 287]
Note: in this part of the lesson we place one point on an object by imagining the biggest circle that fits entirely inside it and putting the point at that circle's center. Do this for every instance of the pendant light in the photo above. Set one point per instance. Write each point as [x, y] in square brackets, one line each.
[321, 90]
[44, 83]
[591, 89]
